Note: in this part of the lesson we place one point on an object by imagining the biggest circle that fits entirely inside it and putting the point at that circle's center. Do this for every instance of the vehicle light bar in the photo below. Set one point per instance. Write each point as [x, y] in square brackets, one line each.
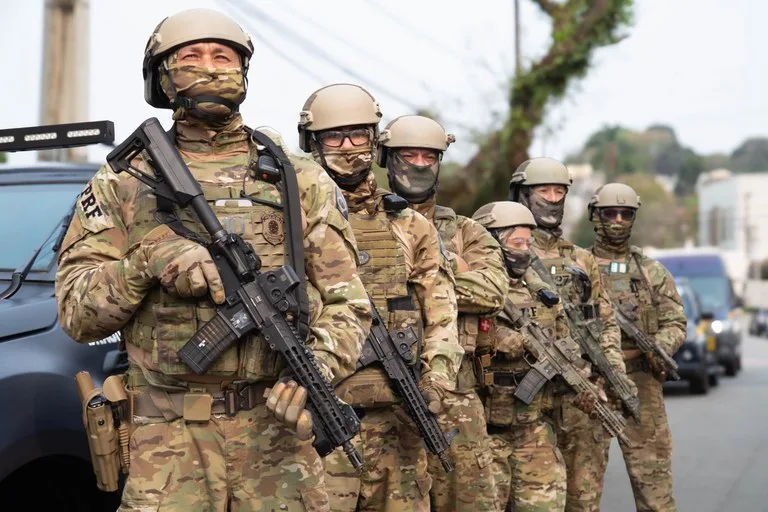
[54, 136]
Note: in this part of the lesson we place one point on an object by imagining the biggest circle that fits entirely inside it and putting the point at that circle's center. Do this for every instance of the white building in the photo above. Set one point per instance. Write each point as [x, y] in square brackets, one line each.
[733, 216]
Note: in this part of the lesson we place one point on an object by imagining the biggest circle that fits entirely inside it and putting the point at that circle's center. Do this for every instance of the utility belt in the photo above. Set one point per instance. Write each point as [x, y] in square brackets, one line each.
[639, 364]
[199, 402]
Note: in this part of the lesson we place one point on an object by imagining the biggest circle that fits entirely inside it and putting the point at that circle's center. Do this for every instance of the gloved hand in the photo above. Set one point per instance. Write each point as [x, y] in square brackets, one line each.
[183, 267]
[509, 343]
[656, 367]
[585, 401]
[287, 401]
[610, 396]
[433, 391]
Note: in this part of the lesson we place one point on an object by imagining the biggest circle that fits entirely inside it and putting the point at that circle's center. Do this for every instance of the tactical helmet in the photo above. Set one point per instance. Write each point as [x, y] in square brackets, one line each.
[504, 214]
[539, 171]
[614, 194]
[412, 132]
[183, 28]
[334, 106]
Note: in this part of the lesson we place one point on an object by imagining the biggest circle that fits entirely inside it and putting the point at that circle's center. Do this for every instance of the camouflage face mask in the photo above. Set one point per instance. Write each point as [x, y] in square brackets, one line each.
[416, 183]
[547, 214]
[217, 91]
[613, 236]
[348, 167]
[516, 261]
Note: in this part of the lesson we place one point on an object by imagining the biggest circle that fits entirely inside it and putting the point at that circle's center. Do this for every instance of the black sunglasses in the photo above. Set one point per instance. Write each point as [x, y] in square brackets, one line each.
[613, 213]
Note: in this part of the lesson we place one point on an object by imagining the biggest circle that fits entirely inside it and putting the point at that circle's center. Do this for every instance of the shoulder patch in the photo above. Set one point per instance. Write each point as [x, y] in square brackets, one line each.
[91, 208]
[341, 203]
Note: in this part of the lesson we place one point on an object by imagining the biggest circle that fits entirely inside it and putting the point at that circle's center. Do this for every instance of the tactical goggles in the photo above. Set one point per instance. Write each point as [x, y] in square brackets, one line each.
[519, 243]
[613, 213]
[335, 138]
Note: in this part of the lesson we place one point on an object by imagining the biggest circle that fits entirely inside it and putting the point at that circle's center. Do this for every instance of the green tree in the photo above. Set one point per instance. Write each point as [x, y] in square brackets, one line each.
[750, 156]
[3, 158]
[692, 166]
[579, 28]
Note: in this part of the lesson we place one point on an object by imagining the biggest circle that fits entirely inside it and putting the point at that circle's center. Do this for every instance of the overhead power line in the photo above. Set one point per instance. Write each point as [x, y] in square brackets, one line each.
[311, 48]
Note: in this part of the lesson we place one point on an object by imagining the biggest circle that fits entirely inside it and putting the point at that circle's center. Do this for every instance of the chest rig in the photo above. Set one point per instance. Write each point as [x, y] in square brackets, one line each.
[384, 275]
[473, 329]
[553, 270]
[502, 409]
[252, 208]
[631, 292]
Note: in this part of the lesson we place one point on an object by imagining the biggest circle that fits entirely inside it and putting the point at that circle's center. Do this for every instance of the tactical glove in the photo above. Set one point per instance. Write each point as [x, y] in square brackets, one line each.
[657, 368]
[183, 267]
[287, 401]
[433, 391]
[510, 344]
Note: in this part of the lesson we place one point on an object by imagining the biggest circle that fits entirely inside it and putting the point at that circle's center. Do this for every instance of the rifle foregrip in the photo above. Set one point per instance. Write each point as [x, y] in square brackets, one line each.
[530, 386]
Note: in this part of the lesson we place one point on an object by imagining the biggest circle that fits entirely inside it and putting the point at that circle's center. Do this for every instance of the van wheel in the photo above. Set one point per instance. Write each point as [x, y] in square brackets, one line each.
[714, 380]
[699, 385]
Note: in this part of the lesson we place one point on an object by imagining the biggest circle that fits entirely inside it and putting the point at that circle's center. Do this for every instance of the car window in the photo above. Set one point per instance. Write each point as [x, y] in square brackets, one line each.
[28, 214]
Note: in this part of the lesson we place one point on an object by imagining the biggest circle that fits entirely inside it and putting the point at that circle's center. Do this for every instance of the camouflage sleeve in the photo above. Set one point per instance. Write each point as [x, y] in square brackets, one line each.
[672, 321]
[339, 329]
[430, 277]
[482, 289]
[610, 338]
[100, 281]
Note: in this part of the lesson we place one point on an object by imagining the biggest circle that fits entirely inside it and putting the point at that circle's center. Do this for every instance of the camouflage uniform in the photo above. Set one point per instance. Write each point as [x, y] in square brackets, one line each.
[102, 286]
[583, 441]
[645, 292]
[529, 470]
[399, 258]
[479, 294]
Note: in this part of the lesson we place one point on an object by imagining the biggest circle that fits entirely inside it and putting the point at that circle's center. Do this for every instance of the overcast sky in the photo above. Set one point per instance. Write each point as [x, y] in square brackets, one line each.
[698, 65]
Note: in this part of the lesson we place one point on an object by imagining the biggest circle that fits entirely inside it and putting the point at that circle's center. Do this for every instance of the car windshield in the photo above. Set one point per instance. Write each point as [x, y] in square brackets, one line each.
[714, 292]
[28, 214]
[687, 306]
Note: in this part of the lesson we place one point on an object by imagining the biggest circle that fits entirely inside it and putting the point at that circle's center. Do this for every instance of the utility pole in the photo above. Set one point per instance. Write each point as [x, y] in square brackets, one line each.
[66, 51]
[517, 36]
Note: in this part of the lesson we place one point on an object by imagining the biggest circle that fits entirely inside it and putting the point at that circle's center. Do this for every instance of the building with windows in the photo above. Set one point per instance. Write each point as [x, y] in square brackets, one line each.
[733, 216]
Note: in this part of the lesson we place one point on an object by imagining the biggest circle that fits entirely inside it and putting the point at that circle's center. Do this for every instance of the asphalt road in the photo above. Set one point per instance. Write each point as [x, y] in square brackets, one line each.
[720, 444]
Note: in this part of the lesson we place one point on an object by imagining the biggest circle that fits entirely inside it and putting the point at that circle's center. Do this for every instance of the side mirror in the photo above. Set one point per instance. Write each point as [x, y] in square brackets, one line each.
[707, 315]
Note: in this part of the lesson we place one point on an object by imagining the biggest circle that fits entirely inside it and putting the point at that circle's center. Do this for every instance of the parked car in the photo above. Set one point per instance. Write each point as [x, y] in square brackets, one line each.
[44, 459]
[697, 357]
[758, 325]
[706, 274]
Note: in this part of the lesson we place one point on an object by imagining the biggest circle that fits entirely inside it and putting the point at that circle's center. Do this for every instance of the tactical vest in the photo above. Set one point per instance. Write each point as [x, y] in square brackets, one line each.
[164, 323]
[556, 266]
[501, 407]
[447, 223]
[630, 290]
[383, 273]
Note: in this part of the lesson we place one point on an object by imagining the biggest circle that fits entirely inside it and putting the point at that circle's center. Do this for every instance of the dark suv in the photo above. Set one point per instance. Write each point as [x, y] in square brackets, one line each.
[44, 459]
[697, 357]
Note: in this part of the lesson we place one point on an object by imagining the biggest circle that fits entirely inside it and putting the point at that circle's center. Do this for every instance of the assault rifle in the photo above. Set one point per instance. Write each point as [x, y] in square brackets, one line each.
[555, 358]
[646, 343]
[392, 349]
[255, 300]
[586, 332]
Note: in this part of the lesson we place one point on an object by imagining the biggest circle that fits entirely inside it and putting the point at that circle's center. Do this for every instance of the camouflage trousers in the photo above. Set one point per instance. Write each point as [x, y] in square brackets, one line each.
[394, 475]
[528, 468]
[470, 486]
[584, 444]
[649, 460]
[249, 462]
